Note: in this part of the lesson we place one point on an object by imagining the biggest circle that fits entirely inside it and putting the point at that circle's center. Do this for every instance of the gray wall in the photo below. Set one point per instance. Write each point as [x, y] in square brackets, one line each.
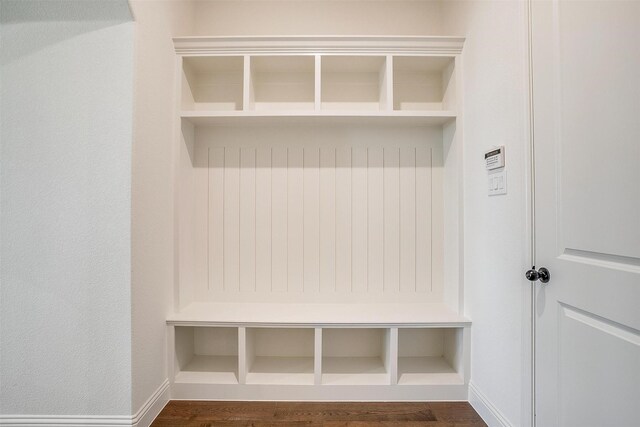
[65, 208]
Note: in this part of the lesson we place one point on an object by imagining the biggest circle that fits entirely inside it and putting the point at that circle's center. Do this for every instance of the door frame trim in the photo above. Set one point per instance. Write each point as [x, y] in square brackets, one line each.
[529, 289]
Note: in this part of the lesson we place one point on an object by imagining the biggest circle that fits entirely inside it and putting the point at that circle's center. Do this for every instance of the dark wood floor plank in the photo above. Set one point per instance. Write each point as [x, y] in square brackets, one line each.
[315, 414]
[353, 412]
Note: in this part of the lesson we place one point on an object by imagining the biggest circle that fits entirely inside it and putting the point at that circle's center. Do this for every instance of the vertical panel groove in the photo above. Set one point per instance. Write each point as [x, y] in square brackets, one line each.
[255, 222]
[263, 218]
[215, 219]
[231, 218]
[224, 173]
[287, 221]
[304, 231]
[327, 216]
[431, 215]
[247, 230]
[239, 219]
[271, 195]
[208, 218]
[311, 215]
[351, 216]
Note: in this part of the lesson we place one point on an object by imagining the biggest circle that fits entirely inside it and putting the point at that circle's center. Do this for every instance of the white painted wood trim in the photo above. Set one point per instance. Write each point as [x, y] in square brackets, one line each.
[321, 393]
[142, 418]
[328, 45]
[64, 420]
[317, 362]
[487, 411]
[388, 83]
[318, 315]
[318, 83]
[246, 118]
[247, 87]
[393, 356]
[152, 407]
[175, 169]
[243, 367]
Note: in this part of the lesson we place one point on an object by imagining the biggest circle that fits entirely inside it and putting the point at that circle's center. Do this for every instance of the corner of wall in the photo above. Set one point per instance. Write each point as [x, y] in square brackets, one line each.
[486, 409]
[152, 216]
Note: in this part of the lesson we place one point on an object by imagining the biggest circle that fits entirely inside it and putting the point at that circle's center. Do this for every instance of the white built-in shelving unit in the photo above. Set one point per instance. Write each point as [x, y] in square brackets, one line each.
[318, 220]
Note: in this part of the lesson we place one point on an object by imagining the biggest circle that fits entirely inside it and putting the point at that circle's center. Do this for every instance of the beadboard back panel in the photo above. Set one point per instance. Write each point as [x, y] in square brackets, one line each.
[317, 214]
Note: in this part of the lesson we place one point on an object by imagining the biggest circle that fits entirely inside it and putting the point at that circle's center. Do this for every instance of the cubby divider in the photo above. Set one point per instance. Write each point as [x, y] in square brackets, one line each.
[317, 362]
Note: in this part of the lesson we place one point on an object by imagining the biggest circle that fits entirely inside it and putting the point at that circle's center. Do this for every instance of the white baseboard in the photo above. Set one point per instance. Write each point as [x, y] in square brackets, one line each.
[65, 420]
[143, 418]
[489, 413]
[152, 407]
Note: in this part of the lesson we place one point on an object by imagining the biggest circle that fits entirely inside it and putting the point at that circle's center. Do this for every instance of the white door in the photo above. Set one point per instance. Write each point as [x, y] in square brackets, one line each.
[586, 57]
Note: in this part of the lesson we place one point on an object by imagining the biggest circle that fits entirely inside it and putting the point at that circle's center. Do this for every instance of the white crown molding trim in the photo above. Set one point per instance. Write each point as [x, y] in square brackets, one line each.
[487, 411]
[323, 45]
[143, 418]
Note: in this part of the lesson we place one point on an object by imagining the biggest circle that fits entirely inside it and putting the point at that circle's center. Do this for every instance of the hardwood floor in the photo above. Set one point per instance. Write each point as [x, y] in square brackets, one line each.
[267, 414]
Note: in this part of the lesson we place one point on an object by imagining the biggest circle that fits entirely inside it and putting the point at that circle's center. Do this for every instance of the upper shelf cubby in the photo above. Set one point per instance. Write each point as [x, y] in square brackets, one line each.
[282, 83]
[354, 83]
[423, 83]
[212, 83]
[249, 77]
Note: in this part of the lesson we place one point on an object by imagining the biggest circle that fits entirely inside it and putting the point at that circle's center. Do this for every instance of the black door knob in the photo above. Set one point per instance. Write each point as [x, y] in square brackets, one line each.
[542, 275]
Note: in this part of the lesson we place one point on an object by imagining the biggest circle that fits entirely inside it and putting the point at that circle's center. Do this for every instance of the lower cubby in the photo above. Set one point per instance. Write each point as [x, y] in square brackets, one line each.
[430, 356]
[206, 355]
[280, 356]
[356, 356]
[320, 362]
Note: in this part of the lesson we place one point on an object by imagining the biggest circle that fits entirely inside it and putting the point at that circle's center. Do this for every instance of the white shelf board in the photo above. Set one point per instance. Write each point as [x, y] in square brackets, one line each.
[210, 370]
[354, 371]
[317, 315]
[281, 370]
[426, 371]
[289, 117]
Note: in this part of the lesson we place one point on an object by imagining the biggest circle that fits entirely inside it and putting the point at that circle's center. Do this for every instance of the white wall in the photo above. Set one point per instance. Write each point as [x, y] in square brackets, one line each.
[317, 17]
[152, 187]
[65, 160]
[496, 251]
